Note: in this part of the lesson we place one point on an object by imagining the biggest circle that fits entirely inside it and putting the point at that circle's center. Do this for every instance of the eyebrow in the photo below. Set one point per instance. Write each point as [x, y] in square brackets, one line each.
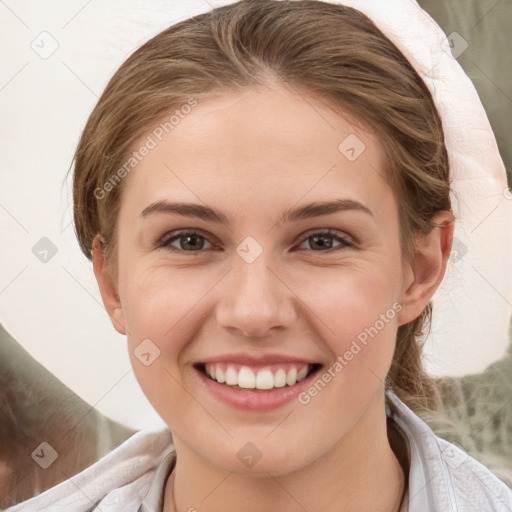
[304, 212]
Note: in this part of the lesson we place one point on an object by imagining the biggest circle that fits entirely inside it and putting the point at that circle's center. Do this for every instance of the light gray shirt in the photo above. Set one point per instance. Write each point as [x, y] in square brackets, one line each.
[131, 478]
[442, 477]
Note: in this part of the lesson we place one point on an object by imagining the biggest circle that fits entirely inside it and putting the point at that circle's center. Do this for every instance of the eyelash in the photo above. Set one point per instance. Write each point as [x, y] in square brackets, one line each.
[176, 235]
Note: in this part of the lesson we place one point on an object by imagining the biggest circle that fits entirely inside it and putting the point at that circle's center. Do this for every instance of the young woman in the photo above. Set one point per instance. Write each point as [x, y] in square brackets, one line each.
[264, 193]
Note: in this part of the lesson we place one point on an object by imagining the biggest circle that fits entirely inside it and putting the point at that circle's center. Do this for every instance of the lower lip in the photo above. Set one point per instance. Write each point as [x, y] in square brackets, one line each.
[255, 400]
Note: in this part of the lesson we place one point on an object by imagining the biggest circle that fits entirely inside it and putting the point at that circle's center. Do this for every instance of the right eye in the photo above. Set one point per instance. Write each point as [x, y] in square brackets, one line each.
[183, 241]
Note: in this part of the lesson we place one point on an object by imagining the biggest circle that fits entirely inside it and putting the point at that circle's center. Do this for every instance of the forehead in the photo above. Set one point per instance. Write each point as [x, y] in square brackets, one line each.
[254, 149]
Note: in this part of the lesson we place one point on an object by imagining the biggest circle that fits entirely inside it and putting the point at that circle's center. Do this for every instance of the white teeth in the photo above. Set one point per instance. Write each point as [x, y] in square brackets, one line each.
[220, 376]
[231, 376]
[246, 378]
[301, 374]
[280, 378]
[291, 377]
[264, 380]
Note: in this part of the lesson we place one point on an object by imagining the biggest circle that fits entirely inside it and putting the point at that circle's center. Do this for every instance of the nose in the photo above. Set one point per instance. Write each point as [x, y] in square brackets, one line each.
[256, 301]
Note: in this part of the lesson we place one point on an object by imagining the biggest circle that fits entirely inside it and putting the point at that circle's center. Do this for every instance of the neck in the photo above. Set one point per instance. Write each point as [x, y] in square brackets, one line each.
[361, 472]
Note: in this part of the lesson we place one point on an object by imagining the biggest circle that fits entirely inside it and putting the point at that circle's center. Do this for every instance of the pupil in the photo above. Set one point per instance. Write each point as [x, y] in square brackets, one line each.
[192, 245]
[318, 240]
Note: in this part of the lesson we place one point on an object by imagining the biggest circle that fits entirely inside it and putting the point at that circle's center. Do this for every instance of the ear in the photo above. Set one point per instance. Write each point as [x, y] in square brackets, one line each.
[424, 274]
[107, 286]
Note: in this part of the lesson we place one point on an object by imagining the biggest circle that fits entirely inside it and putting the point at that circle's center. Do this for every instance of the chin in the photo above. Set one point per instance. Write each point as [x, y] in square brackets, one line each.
[258, 460]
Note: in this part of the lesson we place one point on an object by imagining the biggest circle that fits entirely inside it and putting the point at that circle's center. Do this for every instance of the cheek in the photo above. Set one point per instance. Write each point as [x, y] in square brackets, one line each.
[350, 299]
[162, 308]
[357, 313]
[158, 301]
[159, 315]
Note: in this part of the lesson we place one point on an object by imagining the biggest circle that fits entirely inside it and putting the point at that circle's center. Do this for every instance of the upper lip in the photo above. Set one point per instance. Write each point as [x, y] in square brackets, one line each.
[256, 360]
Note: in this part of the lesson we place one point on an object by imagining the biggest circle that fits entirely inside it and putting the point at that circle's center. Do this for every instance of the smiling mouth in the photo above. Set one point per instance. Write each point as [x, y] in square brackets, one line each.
[257, 379]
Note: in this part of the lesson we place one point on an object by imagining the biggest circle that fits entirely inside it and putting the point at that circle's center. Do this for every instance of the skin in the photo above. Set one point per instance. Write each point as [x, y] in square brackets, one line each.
[253, 154]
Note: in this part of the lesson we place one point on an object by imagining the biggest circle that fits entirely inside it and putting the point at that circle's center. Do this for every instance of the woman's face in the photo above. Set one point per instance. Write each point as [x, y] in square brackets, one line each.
[294, 260]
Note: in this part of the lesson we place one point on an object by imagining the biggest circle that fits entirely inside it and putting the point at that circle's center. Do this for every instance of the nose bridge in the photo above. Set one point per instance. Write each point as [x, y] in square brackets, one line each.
[254, 282]
[255, 279]
[255, 300]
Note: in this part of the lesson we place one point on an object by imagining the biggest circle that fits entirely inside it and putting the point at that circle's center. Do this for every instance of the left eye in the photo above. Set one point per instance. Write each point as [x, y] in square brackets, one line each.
[324, 240]
[192, 241]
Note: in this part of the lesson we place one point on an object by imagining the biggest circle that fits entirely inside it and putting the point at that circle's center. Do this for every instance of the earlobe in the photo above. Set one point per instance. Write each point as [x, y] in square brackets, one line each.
[107, 286]
[426, 271]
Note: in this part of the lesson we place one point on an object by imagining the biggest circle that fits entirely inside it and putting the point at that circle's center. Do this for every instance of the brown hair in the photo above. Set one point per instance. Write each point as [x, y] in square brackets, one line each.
[330, 52]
